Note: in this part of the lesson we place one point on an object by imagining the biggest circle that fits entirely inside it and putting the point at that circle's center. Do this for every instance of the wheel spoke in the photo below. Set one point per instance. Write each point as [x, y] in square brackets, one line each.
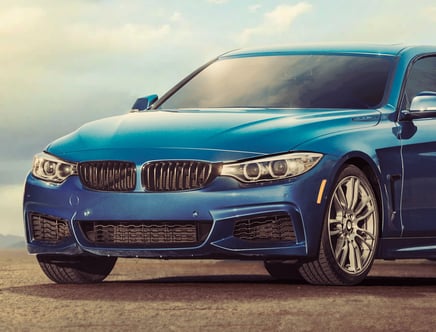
[335, 221]
[340, 246]
[349, 193]
[362, 204]
[343, 253]
[351, 257]
[341, 198]
[364, 241]
[358, 256]
[336, 232]
[337, 203]
[364, 231]
[335, 227]
[366, 215]
[355, 195]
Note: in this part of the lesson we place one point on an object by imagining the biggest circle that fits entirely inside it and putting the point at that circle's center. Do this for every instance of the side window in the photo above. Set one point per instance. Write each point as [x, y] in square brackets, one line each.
[422, 77]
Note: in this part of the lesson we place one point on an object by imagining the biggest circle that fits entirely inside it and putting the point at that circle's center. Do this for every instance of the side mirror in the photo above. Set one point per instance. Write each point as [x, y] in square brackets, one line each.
[144, 103]
[422, 106]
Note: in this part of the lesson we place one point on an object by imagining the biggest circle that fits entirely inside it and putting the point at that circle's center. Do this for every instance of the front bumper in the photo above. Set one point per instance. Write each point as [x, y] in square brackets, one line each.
[223, 205]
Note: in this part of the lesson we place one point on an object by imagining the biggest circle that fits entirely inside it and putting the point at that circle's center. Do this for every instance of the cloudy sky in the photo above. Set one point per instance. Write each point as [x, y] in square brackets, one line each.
[64, 63]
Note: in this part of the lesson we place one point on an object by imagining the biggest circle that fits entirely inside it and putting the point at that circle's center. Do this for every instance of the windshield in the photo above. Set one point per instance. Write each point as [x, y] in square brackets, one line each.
[291, 81]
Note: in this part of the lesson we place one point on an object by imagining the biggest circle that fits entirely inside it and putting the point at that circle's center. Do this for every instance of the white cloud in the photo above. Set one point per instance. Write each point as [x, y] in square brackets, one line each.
[19, 19]
[379, 28]
[254, 8]
[218, 2]
[176, 17]
[18, 28]
[275, 22]
[430, 12]
[47, 35]
[54, 56]
[11, 198]
[121, 38]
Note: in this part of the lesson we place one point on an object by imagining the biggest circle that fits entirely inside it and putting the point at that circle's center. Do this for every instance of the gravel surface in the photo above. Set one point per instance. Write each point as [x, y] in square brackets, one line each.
[152, 295]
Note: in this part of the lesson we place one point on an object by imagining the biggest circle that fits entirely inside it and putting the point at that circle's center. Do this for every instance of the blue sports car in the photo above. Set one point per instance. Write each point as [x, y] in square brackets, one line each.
[315, 160]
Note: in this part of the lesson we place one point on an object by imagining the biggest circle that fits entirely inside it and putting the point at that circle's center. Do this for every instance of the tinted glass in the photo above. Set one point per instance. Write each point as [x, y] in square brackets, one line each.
[422, 77]
[300, 81]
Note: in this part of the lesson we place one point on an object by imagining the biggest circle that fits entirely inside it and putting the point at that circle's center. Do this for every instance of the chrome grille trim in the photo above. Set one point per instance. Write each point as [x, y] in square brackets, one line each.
[108, 175]
[176, 175]
[149, 234]
[267, 227]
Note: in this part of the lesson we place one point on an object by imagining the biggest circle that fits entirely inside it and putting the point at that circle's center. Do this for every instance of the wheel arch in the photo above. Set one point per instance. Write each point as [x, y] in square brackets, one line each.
[372, 173]
[325, 269]
[371, 170]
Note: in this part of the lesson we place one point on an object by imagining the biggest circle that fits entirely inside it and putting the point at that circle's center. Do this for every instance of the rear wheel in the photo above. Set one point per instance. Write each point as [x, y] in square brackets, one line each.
[64, 269]
[350, 233]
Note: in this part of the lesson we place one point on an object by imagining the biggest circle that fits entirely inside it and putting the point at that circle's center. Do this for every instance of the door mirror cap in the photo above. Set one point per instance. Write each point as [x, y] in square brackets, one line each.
[144, 103]
[422, 106]
[424, 101]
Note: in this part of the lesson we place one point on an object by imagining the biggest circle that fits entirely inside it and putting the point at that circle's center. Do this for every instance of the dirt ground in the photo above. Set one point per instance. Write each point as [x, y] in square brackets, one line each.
[150, 295]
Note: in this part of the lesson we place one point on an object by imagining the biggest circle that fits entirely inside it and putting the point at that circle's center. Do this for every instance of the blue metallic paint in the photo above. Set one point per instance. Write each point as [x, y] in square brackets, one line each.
[368, 138]
[224, 199]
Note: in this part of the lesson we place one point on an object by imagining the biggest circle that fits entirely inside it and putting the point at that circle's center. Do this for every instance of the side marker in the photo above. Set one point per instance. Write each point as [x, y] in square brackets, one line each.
[321, 191]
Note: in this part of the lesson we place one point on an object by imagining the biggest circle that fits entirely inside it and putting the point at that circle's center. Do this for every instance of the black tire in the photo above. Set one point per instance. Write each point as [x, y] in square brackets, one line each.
[283, 270]
[350, 233]
[64, 269]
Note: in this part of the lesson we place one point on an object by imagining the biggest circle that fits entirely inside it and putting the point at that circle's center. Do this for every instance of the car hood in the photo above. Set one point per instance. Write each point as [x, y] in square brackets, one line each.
[206, 134]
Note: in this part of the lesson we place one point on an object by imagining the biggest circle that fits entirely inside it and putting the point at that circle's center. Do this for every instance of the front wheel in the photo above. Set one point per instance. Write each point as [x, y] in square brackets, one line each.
[350, 233]
[64, 269]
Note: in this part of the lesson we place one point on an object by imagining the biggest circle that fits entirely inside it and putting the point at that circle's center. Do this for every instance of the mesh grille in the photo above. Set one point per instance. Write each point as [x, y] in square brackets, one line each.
[108, 175]
[150, 234]
[49, 229]
[270, 227]
[176, 175]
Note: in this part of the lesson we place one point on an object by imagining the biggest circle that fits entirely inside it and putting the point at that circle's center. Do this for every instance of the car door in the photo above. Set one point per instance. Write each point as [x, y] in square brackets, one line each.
[418, 154]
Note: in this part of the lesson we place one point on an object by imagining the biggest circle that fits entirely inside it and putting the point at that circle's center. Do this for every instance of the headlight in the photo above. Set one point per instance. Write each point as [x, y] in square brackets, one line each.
[49, 168]
[272, 168]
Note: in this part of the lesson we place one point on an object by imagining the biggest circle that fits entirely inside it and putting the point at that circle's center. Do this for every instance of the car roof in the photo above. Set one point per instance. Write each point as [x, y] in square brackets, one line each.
[369, 49]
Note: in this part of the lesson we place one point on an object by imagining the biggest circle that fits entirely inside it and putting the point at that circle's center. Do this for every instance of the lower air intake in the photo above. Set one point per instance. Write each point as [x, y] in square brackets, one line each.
[48, 229]
[266, 227]
[145, 234]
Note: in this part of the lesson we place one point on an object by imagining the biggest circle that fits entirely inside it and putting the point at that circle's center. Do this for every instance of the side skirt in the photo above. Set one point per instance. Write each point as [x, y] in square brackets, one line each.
[407, 248]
